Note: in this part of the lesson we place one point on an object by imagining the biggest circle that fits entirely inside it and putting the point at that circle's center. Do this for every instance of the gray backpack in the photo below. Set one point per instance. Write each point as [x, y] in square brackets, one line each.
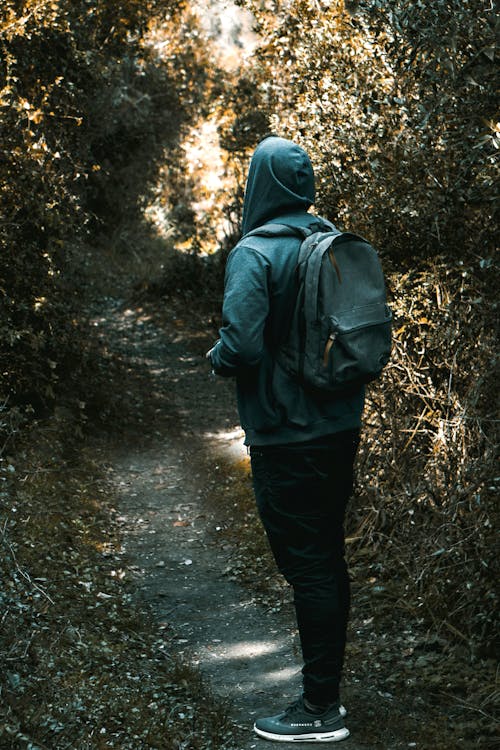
[339, 333]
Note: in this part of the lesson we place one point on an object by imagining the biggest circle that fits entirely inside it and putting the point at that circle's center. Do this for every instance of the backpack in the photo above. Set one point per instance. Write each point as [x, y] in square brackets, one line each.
[339, 333]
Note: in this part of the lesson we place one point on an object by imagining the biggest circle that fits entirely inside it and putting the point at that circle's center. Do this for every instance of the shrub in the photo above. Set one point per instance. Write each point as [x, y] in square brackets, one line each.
[395, 104]
[82, 99]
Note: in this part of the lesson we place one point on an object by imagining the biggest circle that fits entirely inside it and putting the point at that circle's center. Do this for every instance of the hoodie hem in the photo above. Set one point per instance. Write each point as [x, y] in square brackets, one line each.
[289, 434]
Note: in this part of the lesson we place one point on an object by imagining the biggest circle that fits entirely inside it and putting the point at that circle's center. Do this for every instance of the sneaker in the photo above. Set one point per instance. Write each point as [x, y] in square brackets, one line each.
[297, 724]
[342, 709]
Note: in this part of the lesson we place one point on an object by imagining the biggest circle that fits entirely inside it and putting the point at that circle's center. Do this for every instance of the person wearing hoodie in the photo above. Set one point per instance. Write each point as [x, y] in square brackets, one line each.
[302, 443]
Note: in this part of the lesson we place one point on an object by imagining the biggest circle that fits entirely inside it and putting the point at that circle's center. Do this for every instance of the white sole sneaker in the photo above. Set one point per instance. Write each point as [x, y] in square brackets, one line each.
[336, 736]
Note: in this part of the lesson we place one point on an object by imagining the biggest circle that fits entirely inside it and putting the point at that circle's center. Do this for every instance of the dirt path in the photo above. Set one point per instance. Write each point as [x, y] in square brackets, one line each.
[166, 473]
[171, 532]
[171, 536]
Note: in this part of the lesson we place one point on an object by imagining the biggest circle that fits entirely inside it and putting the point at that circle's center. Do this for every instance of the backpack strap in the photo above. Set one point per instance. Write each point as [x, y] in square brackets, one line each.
[278, 230]
[288, 230]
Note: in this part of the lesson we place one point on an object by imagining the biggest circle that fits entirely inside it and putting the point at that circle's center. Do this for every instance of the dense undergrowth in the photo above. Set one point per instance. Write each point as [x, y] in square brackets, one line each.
[395, 105]
[391, 648]
[90, 104]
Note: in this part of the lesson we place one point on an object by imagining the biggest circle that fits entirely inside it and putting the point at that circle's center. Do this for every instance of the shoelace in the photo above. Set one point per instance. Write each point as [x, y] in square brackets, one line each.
[295, 707]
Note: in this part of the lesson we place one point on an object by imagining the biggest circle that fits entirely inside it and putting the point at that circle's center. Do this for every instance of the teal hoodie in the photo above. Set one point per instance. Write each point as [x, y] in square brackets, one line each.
[258, 297]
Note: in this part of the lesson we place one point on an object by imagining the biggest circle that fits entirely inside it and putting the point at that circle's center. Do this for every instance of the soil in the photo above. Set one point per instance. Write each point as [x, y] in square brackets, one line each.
[172, 529]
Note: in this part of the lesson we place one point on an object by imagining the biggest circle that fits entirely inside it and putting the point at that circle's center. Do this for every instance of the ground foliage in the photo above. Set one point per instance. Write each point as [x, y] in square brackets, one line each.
[83, 663]
[395, 104]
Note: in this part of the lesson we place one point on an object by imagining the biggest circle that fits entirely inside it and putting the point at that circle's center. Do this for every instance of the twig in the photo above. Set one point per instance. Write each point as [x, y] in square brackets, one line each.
[21, 571]
[472, 707]
[414, 431]
[456, 631]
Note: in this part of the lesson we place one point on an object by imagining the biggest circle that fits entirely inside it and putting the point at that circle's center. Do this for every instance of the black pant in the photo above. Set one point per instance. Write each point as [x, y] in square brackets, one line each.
[302, 491]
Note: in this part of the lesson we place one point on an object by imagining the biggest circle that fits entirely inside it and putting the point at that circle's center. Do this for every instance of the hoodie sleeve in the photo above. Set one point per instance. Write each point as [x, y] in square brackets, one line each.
[244, 312]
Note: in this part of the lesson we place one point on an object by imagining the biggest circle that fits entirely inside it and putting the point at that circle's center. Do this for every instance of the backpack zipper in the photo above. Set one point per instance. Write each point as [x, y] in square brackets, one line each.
[330, 342]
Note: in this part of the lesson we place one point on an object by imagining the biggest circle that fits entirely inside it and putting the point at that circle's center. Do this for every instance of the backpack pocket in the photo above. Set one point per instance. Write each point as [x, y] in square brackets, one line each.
[358, 345]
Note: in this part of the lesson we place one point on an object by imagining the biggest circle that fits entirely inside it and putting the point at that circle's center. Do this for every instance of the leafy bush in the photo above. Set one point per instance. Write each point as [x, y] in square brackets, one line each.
[395, 104]
[396, 107]
[82, 98]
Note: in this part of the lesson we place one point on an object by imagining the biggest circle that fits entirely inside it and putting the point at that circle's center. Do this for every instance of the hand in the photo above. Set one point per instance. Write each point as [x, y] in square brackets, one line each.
[208, 355]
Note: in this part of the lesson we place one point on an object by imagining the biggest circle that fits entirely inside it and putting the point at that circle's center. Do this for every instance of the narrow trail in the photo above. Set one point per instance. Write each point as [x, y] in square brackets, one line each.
[170, 532]
[165, 472]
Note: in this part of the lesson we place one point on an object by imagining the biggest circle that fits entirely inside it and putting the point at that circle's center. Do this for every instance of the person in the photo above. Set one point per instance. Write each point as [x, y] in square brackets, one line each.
[302, 443]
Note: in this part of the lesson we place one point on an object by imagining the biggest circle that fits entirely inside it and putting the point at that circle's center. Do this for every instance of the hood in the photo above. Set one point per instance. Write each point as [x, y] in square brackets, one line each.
[280, 180]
